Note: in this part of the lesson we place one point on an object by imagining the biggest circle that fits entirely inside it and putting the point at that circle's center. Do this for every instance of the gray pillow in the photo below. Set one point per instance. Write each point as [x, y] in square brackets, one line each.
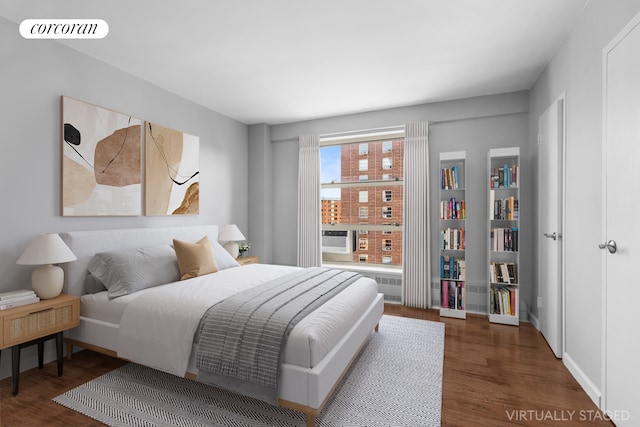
[127, 271]
[93, 285]
[222, 257]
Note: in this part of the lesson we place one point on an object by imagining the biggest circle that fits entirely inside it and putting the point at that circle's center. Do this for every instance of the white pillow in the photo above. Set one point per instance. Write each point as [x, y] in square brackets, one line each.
[223, 258]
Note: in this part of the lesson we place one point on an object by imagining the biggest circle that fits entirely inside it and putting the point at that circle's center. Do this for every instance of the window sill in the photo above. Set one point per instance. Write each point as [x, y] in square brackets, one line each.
[364, 268]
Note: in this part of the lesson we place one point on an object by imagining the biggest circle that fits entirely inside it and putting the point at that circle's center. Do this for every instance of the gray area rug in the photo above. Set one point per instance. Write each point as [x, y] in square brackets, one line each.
[396, 381]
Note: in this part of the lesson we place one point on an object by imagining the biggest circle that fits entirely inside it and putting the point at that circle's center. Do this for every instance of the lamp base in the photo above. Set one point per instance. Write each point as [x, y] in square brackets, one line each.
[232, 248]
[47, 281]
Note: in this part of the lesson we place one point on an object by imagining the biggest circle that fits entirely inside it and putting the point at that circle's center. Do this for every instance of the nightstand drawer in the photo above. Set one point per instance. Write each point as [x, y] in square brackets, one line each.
[40, 319]
[246, 260]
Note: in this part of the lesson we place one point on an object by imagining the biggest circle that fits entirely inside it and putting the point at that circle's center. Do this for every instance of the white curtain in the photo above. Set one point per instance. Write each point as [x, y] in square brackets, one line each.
[309, 221]
[416, 290]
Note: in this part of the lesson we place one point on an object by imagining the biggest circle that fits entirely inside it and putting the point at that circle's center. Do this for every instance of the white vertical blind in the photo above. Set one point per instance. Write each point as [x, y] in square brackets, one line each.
[416, 291]
[309, 220]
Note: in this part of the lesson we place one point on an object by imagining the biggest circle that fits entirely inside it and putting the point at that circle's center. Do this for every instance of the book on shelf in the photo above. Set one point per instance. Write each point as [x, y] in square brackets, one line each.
[4, 305]
[503, 272]
[449, 178]
[504, 176]
[503, 301]
[12, 295]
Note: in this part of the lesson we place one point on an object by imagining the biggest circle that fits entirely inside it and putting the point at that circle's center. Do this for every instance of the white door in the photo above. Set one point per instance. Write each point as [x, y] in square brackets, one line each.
[550, 156]
[621, 236]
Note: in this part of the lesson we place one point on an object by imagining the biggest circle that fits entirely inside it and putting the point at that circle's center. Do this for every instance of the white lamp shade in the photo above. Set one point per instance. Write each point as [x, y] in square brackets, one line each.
[230, 233]
[46, 249]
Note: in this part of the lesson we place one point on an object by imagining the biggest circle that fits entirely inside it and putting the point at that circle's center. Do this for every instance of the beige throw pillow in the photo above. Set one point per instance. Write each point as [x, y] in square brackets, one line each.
[194, 259]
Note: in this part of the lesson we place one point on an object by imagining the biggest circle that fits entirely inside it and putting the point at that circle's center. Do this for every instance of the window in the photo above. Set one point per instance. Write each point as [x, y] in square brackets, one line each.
[363, 244]
[387, 146]
[363, 195]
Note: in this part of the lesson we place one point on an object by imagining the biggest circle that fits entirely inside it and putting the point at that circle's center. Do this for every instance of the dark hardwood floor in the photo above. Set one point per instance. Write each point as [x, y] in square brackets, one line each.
[494, 375]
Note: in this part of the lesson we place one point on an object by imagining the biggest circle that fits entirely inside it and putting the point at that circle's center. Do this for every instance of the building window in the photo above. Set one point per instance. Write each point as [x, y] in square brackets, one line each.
[364, 195]
[363, 244]
[387, 146]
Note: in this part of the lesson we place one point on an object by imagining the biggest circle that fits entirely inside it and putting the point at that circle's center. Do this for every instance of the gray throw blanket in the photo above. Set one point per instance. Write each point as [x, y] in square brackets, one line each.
[242, 337]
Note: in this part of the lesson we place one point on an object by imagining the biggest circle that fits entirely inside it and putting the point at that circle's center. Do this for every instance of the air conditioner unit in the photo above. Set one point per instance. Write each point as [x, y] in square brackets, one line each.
[336, 242]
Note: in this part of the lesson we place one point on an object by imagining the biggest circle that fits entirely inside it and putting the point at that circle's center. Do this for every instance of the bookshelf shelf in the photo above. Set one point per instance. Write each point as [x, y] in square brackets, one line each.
[453, 214]
[503, 241]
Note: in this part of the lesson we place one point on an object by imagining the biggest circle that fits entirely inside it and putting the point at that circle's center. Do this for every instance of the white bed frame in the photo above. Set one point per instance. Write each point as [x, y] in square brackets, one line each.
[305, 390]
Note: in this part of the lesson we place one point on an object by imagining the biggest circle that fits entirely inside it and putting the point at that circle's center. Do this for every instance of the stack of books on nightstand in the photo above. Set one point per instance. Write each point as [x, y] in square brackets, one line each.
[17, 298]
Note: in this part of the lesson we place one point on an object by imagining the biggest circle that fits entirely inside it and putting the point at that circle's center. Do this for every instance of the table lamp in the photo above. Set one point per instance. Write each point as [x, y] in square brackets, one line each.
[45, 250]
[232, 235]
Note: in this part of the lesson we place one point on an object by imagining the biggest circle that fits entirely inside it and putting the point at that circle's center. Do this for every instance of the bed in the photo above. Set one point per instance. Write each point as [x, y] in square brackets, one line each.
[320, 348]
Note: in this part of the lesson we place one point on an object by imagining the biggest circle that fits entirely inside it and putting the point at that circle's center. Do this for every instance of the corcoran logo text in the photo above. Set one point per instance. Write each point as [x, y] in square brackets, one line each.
[64, 29]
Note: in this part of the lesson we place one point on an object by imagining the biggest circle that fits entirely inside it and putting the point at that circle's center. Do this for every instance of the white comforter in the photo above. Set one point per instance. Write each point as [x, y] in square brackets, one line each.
[158, 327]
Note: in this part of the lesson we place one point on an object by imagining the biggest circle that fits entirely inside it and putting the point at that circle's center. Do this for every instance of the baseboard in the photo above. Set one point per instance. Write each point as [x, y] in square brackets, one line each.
[587, 385]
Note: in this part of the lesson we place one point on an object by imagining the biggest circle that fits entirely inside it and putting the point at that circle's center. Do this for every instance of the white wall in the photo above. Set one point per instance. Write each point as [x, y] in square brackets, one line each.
[33, 76]
[576, 69]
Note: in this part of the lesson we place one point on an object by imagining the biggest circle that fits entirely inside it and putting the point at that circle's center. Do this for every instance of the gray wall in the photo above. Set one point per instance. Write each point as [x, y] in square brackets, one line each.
[33, 76]
[576, 69]
[474, 125]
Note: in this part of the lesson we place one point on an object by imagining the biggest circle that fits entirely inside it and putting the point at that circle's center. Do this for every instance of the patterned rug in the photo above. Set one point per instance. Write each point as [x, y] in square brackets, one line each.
[396, 381]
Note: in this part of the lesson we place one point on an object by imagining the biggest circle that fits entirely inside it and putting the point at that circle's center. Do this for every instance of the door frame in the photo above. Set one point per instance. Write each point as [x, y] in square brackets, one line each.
[561, 100]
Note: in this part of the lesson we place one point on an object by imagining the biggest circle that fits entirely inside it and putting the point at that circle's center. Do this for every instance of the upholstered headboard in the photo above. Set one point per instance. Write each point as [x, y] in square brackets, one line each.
[85, 244]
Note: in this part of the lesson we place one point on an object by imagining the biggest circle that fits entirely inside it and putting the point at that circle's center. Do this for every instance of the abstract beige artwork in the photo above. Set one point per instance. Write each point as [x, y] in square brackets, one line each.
[172, 168]
[101, 161]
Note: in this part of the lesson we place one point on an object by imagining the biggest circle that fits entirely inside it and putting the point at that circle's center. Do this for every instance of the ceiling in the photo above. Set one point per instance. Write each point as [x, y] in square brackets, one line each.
[279, 61]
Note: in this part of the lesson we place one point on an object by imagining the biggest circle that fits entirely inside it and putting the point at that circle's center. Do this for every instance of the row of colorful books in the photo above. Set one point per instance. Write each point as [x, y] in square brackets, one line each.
[453, 209]
[503, 301]
[449, 178]
[17, 298]
[503, 272]
[452, 239]
[452, 295]
[505, 209]
[505, 176]
[452, 268]
[504, 239]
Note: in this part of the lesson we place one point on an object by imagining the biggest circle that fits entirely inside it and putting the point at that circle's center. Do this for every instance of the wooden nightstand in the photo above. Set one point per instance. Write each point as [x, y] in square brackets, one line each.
[34, 324]
[246, 260]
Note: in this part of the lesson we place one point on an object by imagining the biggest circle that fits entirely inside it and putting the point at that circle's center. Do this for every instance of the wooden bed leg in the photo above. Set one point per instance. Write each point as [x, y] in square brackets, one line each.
[377, 327]
[311, 420]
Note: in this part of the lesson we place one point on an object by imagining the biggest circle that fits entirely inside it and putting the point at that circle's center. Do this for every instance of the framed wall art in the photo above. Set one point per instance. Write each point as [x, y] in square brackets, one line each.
[172, 168]
[101, 161]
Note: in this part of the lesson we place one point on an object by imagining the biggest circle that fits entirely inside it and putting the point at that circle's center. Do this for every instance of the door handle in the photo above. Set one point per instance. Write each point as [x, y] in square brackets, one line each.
[611, 246]
[553, 235]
